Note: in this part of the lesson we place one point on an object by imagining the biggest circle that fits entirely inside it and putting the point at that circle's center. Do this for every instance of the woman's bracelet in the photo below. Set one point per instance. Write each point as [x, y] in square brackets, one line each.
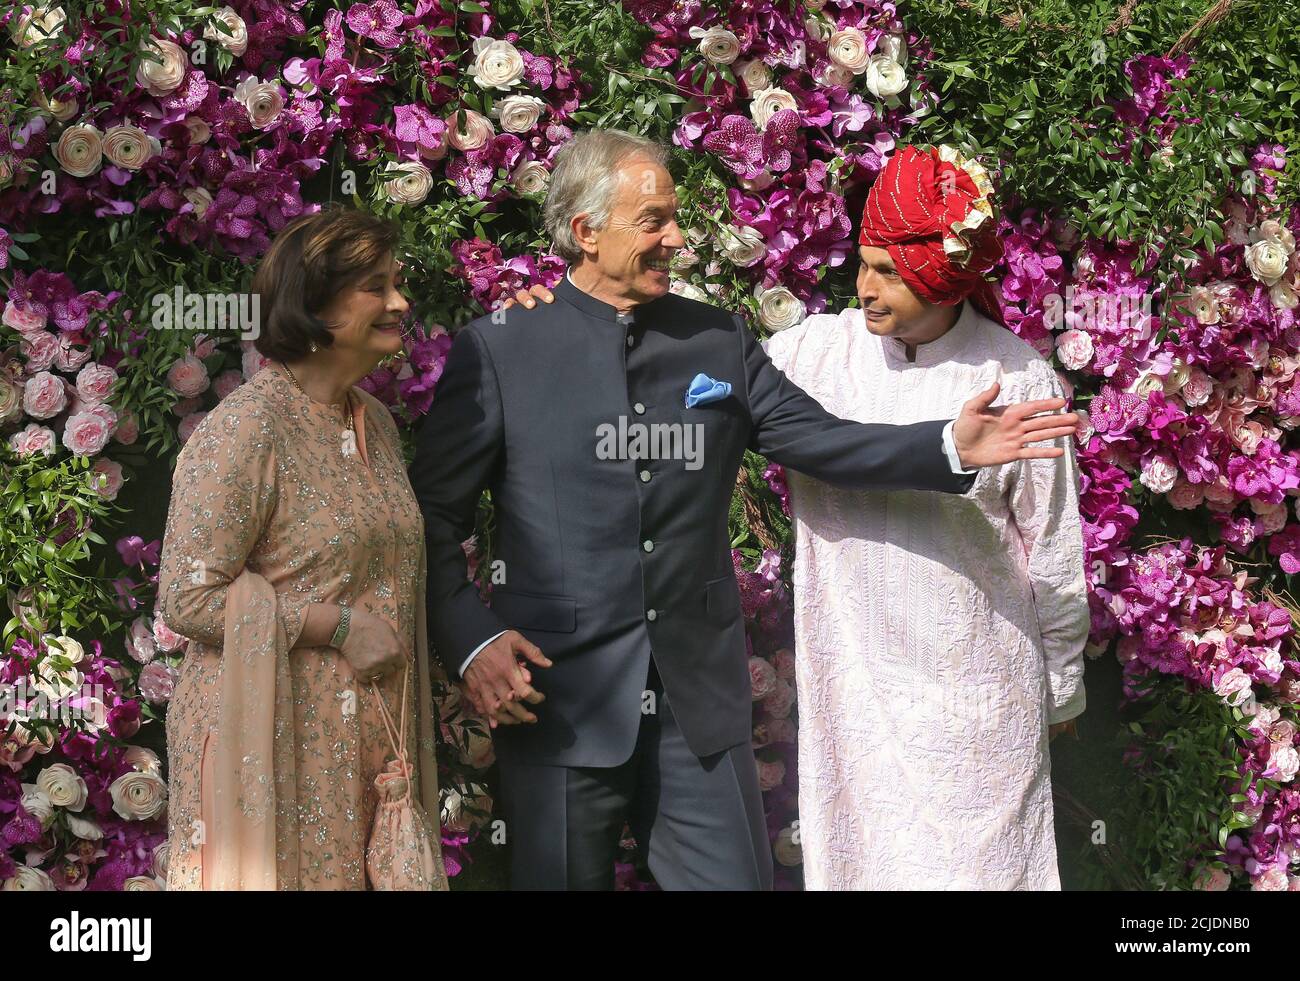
[345, 622]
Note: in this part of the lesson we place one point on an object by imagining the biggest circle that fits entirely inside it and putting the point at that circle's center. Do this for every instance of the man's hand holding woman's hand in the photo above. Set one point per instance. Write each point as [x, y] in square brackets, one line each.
[498, 682]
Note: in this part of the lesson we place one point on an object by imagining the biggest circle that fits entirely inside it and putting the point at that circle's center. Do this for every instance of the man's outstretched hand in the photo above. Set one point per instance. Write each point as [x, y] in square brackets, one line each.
[989, 437]
[497, 681]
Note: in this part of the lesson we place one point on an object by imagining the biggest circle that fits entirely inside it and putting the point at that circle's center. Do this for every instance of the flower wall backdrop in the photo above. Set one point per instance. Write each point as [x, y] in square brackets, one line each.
[151, 150]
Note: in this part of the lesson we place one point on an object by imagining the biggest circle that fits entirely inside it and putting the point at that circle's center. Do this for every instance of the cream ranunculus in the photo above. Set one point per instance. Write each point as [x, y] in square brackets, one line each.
[497, 64]
[743, 246]
[519, 113]
[27, 879]
[129, 147]
[263, 100]
[833, 75]
[80, 150]
[235, 38]
[411, 186]
[63, 786]
[142, 758]
[779, 309]
[1284, 296]
[67, 647]
[1274, 231]
[468, 130]
[38, 25]
[885, 77]
[200, 197]
[163, 66]
[768, 102]
[200, 131]
[1266, 260]
[138, 795]
[84, 828]
[60, 109]
[531, 178]
[848, 49]
[754, 75]
[893, 46]
[719, 45]
[37, 803]
[141, 883]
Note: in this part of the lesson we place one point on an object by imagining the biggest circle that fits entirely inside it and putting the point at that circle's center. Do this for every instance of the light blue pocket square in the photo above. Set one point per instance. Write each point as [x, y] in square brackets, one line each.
[704, 389]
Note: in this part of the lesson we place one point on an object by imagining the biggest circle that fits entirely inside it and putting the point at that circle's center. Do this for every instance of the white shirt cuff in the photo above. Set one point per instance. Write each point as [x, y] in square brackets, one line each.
[950, 450]
[474, 653]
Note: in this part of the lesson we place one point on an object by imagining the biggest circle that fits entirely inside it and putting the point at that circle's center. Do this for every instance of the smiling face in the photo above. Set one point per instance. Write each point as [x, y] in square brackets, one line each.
[628, 258]
[366, 318]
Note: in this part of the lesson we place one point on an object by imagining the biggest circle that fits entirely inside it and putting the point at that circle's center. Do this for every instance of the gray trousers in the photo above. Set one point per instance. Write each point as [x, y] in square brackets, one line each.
[698, 820]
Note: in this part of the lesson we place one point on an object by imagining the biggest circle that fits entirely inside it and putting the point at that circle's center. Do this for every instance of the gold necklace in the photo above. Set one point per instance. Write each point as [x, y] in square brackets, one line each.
[348, 401]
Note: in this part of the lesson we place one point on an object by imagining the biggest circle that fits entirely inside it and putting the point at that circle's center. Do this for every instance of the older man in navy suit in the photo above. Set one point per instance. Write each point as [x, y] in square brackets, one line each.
[609, 427]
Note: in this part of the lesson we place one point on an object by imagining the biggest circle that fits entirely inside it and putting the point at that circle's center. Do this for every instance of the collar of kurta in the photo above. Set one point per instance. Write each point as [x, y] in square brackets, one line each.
[567, 291]
[937, 351]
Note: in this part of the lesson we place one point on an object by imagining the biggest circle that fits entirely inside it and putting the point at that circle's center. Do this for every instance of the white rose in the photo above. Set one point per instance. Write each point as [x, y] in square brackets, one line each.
[473, 134]
[235, 38]
[743, 246]
[497, 64]
[531, 177]
[163, 67]
[848, 50]
[893, 46]
[129, 147]
[80, 150]
[63, 786]
[138, 795]
[1159, 475]
[35, 27]
[518, 113]
[263, 100]
[753, 75]
[717, 44]
[768, 102]
[885, 77]
[779, 309]
[1266, 260]
[84, 828]
[37, 803]
[27, 879]
[412, 185]
[1074, 348]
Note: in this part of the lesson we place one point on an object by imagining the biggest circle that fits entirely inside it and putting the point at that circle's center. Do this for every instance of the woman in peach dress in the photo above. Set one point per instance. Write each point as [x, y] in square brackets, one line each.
[293, 560]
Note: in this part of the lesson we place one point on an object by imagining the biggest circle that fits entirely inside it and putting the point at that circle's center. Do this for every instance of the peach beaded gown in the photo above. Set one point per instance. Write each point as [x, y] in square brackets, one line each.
[273, 751]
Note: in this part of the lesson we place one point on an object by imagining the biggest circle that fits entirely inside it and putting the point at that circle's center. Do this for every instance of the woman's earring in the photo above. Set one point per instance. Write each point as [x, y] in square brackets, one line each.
[313, 347]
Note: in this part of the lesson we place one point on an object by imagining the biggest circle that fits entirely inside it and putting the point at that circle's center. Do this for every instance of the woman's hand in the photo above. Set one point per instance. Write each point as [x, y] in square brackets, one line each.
[529, 297]
[372, 647]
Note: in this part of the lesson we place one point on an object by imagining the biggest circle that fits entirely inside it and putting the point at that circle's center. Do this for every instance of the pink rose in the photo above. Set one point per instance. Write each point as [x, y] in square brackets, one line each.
[779, 703]
[1159, 474]
[188, 377]
[783, 661]
[140, 643]
[22, 320]
[44, 396]
[1272, 517]
[185, 406]
[1197, 389]
[1274, 880]
[38, 350]
[762, 678]
[157, 681]
[72, 353]
[1219, 496]
[1247, 437]
[1233, 686]
[1085, 429]
[1213, 880]
[1282, 731]
[166, 639]
[782, 730]
[128, 430]
[86, 434]
[1285, 760]
[1185, 496]
[187, 425]
[227, 382]
[95, 381]
[33, 439]
[1074, 348]
[770, 775]
[110, 479]
[252, 360]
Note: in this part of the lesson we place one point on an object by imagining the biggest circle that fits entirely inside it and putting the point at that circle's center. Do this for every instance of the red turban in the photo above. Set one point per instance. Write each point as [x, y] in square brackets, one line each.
[933, 211]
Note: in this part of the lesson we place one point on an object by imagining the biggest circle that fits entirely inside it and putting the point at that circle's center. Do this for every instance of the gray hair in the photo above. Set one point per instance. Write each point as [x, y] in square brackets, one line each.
[585, 178]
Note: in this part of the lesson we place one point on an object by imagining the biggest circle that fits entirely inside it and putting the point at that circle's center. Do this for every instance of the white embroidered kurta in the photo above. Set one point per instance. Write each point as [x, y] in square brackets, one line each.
[937, 636]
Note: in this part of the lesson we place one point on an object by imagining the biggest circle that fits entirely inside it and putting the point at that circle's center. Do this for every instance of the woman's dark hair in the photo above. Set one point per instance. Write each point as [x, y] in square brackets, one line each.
[313, 259]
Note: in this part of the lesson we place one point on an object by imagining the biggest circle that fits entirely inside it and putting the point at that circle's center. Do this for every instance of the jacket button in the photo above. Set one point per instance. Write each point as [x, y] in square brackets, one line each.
[645, 476]
[630, 340]
[651, 615]
[639, 409]
[648, 545]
